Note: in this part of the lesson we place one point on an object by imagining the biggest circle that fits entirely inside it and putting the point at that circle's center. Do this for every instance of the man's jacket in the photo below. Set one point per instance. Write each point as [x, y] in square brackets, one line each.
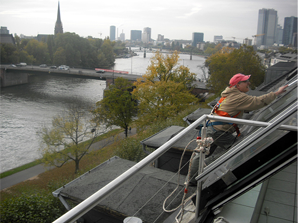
[237, 101]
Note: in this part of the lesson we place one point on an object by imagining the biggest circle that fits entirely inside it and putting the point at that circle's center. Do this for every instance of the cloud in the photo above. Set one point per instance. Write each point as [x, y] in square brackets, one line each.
[195, 9]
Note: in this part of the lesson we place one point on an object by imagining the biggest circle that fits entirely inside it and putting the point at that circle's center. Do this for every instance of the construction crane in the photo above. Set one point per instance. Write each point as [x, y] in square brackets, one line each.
[234, 38]
[254, 36]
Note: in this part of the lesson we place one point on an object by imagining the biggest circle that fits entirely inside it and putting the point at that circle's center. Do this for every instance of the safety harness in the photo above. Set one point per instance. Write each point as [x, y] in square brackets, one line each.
[224, 114]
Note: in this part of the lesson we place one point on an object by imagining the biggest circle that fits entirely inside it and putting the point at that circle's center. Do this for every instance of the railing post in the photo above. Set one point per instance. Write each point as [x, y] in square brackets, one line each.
[200, 170]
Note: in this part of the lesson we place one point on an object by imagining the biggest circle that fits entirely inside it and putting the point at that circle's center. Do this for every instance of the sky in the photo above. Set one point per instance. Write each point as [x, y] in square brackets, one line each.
[175, 19]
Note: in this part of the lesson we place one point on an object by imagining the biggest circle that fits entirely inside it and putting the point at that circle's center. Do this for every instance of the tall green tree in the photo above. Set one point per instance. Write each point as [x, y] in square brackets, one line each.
[117, 107]
[164, 90]
[77, 50]
[228, 62]
[51, 47]
[7, 53]
[63, 141]
[212, 48]
[107, 51]
[59, 56]
[25, 57]
[39, 50]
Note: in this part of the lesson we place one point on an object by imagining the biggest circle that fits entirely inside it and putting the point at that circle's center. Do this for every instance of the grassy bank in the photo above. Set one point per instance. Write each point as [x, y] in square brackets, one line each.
[36, 162]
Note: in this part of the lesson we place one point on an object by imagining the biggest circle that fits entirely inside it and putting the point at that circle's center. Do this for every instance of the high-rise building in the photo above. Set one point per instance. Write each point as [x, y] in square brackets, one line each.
[135, 35]
[160, 37]
[267, 26]
[112, 33]
[197, 38]
[4, 30]
[247, 42]
[290, 27]
[58, 25]
[146, 35]
[122, 37]
[217, 39]
[279, 34]
[294, 40]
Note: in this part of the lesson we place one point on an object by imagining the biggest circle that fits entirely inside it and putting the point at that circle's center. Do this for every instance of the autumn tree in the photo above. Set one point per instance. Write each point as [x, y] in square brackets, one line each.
[63, 141]
[164, 90]
[117, 107]
[228, 62]
[39, 50]
[212, 48]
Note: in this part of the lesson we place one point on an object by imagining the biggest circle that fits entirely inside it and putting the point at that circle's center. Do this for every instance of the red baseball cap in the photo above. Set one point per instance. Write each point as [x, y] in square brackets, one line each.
[237, 78]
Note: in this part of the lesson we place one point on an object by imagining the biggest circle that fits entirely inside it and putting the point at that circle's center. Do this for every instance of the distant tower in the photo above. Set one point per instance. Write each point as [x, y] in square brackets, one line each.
[112, 33]
[290, 28]
[58, 25]
[197, 38]
[146, 35]
[135, 35]
[267, 27]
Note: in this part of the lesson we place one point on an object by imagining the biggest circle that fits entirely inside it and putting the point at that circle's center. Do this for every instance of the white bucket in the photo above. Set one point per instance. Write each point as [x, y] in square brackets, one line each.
[132, 220]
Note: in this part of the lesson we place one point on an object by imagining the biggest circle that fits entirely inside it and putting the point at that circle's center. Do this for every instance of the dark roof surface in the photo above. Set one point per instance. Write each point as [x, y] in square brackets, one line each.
[199, 84]
[197, 114]
[132, 194]
[166, 134]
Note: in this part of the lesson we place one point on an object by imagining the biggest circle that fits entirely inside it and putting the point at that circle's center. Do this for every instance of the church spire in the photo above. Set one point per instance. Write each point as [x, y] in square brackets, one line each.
[58, 26]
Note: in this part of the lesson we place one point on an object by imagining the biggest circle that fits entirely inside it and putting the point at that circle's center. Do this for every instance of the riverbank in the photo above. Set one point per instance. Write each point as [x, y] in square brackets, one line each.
[110, 134]
[32, 170]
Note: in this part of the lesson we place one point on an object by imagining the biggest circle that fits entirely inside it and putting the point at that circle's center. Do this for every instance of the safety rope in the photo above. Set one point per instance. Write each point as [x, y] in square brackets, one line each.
[178, 184]
[184, 201]
[159, 191]
[201, 146]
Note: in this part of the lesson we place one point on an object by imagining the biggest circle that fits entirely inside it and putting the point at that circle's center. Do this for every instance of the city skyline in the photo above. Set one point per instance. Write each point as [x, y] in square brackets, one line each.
[178, 20]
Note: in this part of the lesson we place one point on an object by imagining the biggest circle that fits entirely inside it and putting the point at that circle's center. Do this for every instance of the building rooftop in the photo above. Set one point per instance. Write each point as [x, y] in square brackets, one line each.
[139, 191]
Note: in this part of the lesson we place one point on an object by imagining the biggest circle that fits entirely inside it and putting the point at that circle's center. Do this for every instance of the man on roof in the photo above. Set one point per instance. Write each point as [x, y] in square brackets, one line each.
[233, 102]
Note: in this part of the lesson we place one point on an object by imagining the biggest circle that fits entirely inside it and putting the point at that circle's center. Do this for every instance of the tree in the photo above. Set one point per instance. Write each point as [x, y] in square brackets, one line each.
[107, 51]
[39, 50]
[32, 206]
[62, 142]
[228, 62]
[284, 50]
[59, 56]
[164, 90]
[51, 46]
[7, 53]
[78, 51]
[117, 107]
[25, 57]
[212, 48]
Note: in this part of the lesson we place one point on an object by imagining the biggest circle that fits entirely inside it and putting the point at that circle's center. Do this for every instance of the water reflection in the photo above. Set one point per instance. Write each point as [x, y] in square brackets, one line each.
[25, 108]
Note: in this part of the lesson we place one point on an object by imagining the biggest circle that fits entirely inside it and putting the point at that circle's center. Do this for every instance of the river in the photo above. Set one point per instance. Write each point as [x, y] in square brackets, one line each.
[26, 108]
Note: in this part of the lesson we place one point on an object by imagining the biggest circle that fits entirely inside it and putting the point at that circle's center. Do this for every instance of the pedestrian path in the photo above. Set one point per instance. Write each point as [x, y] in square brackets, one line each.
[38, 169]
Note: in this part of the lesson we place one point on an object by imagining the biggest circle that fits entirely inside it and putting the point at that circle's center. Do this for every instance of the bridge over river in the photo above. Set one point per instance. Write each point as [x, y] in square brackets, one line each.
[19, 75]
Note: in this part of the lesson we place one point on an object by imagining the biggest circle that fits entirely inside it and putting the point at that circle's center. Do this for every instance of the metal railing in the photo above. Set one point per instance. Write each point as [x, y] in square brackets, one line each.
[94, 199]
